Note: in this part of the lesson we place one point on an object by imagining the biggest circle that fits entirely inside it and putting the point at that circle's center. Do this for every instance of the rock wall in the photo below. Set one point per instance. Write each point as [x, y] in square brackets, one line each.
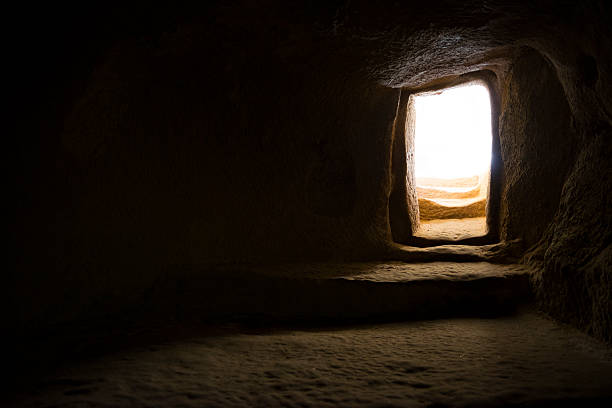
[538, 146]
[403, 200]
[557, 192]
[233, 140]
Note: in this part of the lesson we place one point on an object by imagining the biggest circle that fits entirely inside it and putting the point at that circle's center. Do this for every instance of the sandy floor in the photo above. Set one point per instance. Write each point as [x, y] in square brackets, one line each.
[454, 362]
[452, 229]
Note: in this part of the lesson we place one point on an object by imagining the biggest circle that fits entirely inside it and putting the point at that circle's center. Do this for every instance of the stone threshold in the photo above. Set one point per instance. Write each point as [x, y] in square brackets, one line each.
[392, 290]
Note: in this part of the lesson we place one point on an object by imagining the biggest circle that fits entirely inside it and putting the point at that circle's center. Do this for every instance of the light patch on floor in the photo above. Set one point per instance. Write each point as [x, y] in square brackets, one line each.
[452, 229]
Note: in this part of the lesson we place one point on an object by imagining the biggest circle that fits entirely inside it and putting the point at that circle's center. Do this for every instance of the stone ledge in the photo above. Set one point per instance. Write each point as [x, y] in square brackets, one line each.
[367, 290]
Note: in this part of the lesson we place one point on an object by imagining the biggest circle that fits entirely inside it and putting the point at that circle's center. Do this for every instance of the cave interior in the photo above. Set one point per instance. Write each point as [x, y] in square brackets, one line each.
[247, 169]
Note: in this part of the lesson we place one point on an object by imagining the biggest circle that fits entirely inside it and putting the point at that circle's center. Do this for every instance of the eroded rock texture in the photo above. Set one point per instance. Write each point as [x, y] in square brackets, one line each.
[538, 146]
[243, 132]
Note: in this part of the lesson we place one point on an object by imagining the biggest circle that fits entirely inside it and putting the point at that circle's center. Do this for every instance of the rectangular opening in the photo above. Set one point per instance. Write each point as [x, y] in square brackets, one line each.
[452, 159]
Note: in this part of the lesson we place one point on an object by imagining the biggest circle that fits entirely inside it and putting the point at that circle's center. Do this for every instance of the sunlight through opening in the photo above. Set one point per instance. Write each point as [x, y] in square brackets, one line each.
[453, 133]
[453, 159]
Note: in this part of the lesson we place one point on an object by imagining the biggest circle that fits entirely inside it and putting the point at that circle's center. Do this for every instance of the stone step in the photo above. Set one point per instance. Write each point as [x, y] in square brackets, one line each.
[339, 291]
[287, 294]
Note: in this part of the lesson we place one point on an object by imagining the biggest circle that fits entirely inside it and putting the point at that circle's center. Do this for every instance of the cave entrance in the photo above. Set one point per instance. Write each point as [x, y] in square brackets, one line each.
[452, 161]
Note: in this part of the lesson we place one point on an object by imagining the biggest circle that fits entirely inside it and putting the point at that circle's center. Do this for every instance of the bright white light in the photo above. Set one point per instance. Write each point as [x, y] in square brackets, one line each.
[453, 133]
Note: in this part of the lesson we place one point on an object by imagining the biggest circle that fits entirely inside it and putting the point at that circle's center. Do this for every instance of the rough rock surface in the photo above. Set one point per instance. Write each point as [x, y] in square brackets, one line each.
[453, 229]
[390, 271]
[538, 144]
[433, 210]
[575, 255]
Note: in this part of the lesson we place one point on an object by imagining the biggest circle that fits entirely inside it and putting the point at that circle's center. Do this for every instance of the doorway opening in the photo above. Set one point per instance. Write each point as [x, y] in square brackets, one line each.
[452, 161]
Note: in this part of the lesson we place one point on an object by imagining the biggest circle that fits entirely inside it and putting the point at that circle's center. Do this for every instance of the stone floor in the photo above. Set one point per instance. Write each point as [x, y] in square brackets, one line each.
[387, 271]
[452, 229]
[383, 334]
[520, 360]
